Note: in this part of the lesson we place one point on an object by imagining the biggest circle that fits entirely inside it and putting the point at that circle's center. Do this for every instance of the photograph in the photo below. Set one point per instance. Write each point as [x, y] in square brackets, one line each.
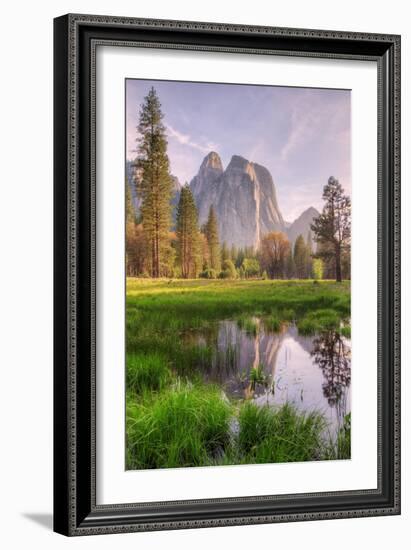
[238, 274]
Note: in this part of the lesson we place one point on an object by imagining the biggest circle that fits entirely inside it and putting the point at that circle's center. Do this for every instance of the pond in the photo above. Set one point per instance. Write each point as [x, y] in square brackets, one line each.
[251, 361]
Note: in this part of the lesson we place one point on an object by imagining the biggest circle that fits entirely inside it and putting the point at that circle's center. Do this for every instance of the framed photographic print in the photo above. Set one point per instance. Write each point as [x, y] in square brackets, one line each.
[227, 280]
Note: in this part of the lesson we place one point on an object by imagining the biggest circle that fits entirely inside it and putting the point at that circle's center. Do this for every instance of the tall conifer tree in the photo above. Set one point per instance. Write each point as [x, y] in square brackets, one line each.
[309, 256]
[154, 184]
[211, 231]
[290, 265]
[187, 231]
[332, 228]
[225, 253]
[233, 253]
[300, 257]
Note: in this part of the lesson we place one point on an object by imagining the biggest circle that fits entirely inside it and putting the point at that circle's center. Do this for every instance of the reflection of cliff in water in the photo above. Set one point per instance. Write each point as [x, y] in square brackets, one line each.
[311, 372]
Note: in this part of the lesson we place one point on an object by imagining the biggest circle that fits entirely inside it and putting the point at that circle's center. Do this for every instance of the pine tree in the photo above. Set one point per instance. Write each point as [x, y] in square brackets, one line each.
[204, 251]
[310, 241]
[332, 228]
[239, 258]
[211, 231]
[187, 231]
[154, 184]
[130, 212]
[309, 256]
[225, 253]
[290, 265]
[300, 257]
[233, 253]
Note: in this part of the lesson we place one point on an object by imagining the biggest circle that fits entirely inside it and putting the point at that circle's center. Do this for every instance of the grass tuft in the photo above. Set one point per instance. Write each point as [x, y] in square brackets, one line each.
[283, 435]
[147, 372]
[274, 324]
[340, 448]
[184, 426]
[318, 320]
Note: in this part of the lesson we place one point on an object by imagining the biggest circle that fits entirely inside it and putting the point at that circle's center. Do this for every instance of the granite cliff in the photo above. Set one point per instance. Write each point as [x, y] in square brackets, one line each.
[244, 198]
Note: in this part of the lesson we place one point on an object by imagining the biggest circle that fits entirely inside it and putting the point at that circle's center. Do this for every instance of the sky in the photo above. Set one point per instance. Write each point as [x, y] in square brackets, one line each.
[302, 135]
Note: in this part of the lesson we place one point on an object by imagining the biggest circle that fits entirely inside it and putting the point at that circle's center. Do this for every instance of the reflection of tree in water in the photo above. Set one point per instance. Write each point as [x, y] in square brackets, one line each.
[332, 354]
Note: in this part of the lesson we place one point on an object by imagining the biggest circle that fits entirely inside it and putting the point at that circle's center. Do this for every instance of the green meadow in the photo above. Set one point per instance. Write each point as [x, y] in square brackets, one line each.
[178, 418]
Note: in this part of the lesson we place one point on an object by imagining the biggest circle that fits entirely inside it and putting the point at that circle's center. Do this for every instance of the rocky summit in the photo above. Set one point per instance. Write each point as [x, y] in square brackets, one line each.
[243, 196]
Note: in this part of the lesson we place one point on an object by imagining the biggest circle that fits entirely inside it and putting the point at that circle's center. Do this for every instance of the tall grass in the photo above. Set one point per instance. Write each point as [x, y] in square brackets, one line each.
[340, 447]
[147, 372]
[184, 426]
[317, 320]
[283, 435]
[273, 323]
[248, 324]
[257, 376]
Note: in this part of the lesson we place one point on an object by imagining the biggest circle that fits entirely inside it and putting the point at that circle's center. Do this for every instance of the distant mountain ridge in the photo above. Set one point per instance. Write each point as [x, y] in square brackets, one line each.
[301, 226]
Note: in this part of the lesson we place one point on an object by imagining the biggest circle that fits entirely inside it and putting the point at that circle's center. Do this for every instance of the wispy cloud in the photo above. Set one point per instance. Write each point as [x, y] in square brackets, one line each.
[301, 128]
[313, 120]
[307, 117]
[185, 139]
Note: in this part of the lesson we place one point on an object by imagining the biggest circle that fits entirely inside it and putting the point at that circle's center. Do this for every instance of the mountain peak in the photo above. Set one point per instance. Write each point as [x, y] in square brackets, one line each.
[245, 202]
[238, 163]
[311, 210]
[212, 160]
[301, 225]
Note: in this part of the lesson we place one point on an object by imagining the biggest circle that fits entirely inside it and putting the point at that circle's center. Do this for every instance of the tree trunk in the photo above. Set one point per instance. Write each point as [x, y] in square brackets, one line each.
[157, 241]
[153, 258]
[338, 265]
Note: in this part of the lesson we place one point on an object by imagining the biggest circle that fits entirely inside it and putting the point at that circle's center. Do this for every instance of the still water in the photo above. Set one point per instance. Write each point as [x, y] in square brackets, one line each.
[313, 373]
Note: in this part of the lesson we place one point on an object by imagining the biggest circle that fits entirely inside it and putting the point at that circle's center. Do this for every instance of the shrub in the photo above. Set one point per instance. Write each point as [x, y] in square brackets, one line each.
[346, 331]
[208, 274]
[318, 268]
[251, 267]
[241, 272]
[229, 271]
